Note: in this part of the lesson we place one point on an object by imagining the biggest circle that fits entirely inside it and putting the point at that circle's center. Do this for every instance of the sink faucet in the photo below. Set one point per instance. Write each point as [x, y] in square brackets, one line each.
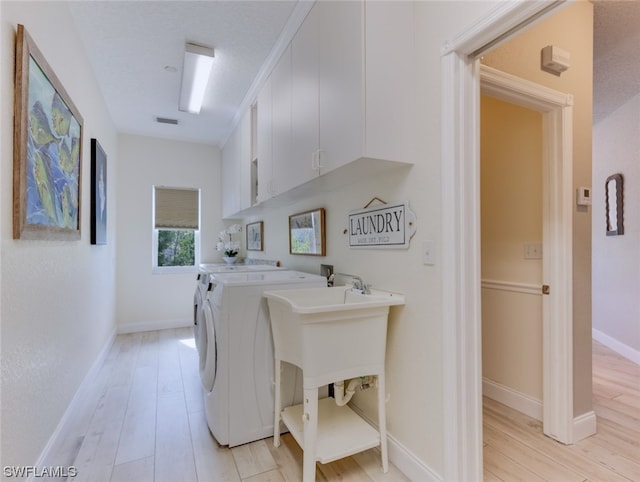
[357, 281]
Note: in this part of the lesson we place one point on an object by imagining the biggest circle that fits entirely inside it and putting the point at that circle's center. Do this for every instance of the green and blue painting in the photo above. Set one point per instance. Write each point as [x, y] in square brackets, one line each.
[53, 156]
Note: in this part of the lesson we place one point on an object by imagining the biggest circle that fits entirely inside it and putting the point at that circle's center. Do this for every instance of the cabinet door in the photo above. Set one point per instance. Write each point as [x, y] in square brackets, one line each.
[390, 81]
[305, 102]
[230, 177]
[281, 124]
[341, 83]
[264, 141]
[244, 160]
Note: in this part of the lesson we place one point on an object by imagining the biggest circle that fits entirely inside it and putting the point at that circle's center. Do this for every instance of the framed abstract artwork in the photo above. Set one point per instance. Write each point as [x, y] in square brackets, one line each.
[47, 154]
[255, 234]
[98, 194]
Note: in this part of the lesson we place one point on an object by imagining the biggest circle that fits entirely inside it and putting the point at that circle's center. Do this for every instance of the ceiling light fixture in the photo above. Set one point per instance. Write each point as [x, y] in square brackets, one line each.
[198, 60]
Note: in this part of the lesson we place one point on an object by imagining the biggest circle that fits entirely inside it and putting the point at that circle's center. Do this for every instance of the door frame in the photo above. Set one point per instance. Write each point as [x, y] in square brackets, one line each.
[461, 279]
[557, 167]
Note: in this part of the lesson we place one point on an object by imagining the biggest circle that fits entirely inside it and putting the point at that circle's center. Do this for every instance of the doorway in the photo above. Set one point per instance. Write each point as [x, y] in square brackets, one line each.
[461, 79]
[511, 147]
[557, 294]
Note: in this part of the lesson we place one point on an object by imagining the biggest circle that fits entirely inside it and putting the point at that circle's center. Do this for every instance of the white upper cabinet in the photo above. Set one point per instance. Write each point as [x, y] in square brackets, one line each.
[390, 81]
[236, 164]
[305, 117]
[263, 141]
[341, 95]
[281, 125]
[352, 82]
[341, 83]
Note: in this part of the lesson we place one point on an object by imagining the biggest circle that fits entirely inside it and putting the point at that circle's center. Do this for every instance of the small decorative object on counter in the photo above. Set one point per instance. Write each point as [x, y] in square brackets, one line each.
[228, 245]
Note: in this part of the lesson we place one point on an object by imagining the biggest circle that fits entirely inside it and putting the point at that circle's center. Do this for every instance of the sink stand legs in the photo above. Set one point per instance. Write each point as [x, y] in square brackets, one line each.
[278, 403]
[382, 422]
[310, 424]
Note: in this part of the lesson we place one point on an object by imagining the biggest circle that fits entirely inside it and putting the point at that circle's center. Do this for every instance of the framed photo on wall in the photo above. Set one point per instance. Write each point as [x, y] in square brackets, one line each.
[306, 233]
[98, 194]
[255, 236]
[47, 152]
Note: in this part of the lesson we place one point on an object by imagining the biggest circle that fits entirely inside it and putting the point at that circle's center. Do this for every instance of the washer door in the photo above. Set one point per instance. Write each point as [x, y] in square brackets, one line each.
[208, 348]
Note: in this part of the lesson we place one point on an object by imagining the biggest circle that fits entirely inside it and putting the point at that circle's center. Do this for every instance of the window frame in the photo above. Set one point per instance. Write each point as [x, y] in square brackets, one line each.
[155, 269]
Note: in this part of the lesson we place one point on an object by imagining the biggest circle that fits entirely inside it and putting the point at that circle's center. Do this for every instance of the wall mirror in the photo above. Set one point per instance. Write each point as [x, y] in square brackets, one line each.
[614, 207]
[306, 233]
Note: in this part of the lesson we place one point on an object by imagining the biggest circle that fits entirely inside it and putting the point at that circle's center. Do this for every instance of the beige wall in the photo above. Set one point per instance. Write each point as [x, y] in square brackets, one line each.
[511, 216]
[57, 296]
[570, 29]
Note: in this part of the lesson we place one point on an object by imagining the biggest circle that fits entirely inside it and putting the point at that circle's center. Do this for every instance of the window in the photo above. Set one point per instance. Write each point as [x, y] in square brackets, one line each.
[176, 229]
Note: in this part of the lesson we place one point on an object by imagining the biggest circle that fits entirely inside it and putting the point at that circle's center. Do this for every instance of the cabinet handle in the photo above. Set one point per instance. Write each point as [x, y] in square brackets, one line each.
[320, 165]
[315, 160]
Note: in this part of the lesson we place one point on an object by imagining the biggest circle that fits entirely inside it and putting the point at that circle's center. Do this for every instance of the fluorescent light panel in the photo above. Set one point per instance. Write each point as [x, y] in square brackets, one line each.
[195, 76]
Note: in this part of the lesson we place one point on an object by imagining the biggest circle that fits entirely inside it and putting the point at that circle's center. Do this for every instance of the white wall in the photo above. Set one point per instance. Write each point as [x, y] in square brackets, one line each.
[616, 260]
[146, 300]
[414, 355]
[57, 297]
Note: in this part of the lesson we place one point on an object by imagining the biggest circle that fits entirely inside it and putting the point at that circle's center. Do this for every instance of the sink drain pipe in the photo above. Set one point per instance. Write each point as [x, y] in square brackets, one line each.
[341, 396]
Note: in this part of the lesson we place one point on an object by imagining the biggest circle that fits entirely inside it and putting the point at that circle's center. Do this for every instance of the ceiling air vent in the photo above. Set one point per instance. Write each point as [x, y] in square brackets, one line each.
[165, 120]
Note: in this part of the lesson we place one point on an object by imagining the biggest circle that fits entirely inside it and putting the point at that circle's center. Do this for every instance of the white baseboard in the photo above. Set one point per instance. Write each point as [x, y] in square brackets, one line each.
[153, 325]
[400, 456]
[512, 398]
[410, 465]
[617, 346]
[73, 406]
[584, 426]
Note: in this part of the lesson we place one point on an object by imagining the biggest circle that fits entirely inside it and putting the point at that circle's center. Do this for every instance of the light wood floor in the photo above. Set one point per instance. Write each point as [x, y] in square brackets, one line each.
[143, 420]
[516, 449]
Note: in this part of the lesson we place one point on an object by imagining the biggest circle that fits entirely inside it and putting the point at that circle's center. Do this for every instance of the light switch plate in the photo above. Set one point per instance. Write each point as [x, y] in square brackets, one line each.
[533, 251]
[428, 253]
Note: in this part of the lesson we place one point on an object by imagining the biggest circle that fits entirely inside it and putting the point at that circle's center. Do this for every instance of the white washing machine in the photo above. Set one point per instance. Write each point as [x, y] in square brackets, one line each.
[202, 286]
[236, 358]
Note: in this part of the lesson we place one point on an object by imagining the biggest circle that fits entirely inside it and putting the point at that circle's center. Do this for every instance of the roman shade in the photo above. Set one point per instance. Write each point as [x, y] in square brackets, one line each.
[176, 208]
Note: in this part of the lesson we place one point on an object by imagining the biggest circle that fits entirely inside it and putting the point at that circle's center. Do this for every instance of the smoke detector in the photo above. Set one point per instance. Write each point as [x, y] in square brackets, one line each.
[555, 60]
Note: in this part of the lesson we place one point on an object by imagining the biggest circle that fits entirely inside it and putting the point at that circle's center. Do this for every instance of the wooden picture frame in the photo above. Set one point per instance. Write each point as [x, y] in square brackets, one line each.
[47, 150]
[98, 194]
[307, 233]
[255, 236]
[614, 209]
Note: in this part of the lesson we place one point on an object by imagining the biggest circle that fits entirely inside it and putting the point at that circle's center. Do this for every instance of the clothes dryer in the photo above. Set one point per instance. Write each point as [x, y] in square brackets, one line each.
[202, 286]
[236, 358]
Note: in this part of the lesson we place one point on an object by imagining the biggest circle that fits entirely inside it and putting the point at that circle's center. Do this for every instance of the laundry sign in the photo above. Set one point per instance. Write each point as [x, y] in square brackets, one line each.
[389, 226]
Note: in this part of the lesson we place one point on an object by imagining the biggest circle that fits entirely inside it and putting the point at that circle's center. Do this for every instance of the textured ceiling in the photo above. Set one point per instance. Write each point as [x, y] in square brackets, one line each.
[130, 43]
[616, 55]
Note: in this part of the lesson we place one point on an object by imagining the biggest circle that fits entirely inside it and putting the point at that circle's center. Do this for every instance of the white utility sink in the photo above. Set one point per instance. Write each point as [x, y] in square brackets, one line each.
[332, 334]
[338, 298]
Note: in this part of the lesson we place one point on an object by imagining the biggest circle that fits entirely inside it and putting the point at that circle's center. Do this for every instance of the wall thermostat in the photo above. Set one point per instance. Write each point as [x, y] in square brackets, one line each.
[584, 196]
